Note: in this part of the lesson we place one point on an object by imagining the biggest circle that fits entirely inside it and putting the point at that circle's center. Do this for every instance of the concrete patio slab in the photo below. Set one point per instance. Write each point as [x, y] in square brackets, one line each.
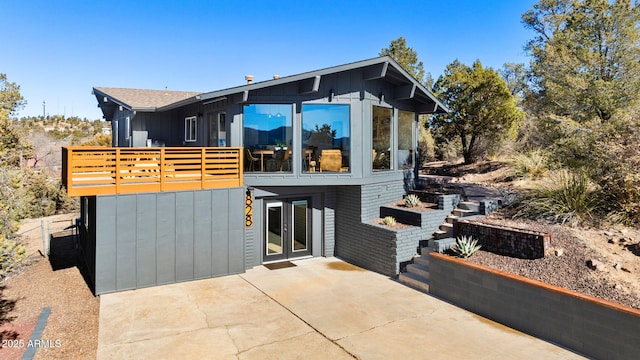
[322, 308]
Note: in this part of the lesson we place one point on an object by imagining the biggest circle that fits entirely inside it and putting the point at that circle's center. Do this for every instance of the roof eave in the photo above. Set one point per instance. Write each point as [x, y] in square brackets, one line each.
[293, 78]
[110, 99]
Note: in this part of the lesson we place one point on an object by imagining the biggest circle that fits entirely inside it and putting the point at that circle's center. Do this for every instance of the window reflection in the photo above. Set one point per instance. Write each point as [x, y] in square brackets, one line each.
[326, 138]
[381, 138]
[406, 120]
[268, 137]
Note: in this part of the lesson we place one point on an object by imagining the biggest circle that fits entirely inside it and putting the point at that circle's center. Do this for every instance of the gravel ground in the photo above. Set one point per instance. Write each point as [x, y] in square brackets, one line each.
[72, 328]
[570, 270]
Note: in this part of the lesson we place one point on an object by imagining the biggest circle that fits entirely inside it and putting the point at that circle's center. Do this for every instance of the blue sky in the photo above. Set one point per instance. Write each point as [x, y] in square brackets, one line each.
[58, 50]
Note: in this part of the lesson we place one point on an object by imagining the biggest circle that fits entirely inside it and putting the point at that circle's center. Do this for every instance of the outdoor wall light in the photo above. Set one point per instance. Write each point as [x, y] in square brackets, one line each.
[331, 94]
[381, 98]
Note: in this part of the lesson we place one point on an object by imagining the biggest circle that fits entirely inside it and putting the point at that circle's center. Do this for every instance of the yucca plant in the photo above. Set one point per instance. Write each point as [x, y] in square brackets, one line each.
[389, 221]
[412, 200]
[568, 197]
[465, 246]
[532, 164]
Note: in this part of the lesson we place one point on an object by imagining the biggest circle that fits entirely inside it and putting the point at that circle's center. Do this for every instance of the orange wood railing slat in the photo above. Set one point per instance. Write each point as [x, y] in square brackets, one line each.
[98, 171]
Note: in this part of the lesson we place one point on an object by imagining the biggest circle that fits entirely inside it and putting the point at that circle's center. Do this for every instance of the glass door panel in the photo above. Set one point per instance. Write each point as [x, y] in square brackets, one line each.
[299, 226]
[274, 233]
[213, 130]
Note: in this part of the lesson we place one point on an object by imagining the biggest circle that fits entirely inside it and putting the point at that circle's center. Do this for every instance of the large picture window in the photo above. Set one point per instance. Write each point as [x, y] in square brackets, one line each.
[326, 138]
[381, 125]
[268, 137]
[190, 129]
[406, 123]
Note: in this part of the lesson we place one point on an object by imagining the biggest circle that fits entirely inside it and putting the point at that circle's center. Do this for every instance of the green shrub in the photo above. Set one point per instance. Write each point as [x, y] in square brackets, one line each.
[44, 196]
[389, 221]
[11, 254]
[465, 246]
[412, 200]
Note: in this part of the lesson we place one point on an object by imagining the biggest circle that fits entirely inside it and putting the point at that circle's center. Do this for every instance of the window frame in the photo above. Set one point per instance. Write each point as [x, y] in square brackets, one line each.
[392, 147]
[190, 126]
[414, 134]
[306, 167]
[288, 143]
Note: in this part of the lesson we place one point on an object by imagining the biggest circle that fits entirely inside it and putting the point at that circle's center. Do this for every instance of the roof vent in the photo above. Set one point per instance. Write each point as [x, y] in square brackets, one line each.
[276, 77]
[249, 78]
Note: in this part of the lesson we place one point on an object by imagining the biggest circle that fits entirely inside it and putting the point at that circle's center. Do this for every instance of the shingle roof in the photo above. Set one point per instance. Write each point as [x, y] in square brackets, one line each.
[142, 98]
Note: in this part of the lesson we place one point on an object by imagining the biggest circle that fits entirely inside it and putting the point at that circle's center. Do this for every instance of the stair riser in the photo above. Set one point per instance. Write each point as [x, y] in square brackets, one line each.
[440, 236]
[418, 270]
[422, 286]
[463, 213]
[422, 260]
[469, 206]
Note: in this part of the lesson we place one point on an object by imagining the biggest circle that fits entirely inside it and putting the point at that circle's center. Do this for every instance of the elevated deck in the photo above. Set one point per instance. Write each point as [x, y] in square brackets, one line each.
[88, 171]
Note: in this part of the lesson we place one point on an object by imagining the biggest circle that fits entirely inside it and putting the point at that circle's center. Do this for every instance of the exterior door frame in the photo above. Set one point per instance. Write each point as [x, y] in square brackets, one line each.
[283, 238]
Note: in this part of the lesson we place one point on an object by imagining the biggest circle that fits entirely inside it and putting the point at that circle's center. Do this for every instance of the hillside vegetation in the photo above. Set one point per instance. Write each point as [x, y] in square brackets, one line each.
[30, 165]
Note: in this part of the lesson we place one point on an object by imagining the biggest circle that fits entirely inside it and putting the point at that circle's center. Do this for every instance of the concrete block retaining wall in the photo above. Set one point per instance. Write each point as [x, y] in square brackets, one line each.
[519, 243]
[590, 326]
[380, 248]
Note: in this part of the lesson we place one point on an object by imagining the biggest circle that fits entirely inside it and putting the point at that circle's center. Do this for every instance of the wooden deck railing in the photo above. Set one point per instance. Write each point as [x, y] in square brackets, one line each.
[100, 170]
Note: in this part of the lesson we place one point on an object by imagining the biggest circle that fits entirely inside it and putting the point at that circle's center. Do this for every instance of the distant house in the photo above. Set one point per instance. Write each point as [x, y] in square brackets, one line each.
[199, 185]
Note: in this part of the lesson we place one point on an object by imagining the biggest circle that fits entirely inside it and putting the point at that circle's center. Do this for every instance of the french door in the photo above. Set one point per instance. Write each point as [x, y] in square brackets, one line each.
[287, 229]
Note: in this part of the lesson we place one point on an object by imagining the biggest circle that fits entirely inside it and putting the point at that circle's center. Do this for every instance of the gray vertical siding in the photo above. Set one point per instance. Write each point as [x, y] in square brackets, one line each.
[329, 226]
[151, 239]
[106, 227]
[235, 234]
[166, 239]
[184, 235]
[146, 245]
[220, 237]
[203, 229]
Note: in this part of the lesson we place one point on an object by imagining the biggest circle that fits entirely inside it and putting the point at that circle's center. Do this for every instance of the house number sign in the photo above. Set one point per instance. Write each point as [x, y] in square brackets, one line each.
[248, 211]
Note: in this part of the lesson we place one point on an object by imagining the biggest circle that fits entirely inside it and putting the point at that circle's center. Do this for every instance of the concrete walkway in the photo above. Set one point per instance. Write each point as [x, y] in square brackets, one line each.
[323, 308]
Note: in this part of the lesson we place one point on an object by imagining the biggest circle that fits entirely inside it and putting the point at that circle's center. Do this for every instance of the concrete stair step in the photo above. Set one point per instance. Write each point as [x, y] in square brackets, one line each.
[469, 205]
[440, 234]
[425, 251]
[446, 227]
[464, 213]
[440, 245]
[418, 269]
[422, 259]
[452, 218]
[415, 281]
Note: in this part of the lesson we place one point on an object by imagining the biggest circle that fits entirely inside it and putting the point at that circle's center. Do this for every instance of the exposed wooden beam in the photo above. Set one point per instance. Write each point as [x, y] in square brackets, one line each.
[405, 92]
[310, 85]
[243, 98]
[221, 98]
[430, 108]
[375, 72]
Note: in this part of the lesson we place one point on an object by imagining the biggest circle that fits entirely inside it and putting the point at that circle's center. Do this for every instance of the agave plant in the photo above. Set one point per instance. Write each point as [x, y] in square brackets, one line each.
[465, 246]
[412, 200]
[389, 221]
